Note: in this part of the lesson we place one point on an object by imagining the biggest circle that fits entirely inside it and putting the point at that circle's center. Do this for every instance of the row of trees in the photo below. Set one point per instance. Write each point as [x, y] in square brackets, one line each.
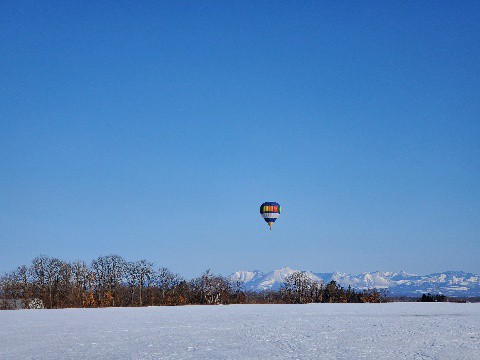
[113, 281]
[433, 298]
[300, 289]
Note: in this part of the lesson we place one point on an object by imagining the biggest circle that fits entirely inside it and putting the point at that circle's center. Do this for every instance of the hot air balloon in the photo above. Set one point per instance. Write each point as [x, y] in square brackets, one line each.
[270, 212]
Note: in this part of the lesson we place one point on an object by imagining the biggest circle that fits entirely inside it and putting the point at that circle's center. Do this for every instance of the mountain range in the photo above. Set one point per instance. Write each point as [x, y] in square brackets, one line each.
[450, 283]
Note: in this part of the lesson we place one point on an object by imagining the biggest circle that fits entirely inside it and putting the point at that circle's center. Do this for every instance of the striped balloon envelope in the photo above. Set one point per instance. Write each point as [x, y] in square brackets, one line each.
[270, 212]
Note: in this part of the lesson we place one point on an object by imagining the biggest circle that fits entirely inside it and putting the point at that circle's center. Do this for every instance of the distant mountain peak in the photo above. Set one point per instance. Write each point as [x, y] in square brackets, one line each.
[397, 283]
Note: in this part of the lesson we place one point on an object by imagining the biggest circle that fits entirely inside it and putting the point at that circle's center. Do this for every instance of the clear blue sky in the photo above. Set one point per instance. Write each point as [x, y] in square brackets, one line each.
[156, 129]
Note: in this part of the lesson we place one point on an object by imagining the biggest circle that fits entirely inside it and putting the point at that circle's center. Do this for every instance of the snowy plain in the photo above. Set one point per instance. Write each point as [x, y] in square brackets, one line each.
[313, 331]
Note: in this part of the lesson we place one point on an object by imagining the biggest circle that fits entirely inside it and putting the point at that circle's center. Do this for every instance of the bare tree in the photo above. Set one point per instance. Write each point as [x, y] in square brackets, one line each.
[81, 282]
[166, 281]
[38, 273]
[108, 273]
[211, 289]
[299, 288]
[145, 277]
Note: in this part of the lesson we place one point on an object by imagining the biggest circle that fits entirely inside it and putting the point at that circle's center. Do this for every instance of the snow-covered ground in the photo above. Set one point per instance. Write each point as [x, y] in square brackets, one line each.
[316, 331]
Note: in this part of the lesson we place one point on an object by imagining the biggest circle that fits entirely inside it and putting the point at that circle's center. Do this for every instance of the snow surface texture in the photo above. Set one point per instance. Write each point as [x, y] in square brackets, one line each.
[450, 283]
[326, 331]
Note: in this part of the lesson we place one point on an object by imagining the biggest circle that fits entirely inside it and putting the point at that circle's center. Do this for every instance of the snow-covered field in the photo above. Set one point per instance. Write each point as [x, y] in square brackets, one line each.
[316, 331]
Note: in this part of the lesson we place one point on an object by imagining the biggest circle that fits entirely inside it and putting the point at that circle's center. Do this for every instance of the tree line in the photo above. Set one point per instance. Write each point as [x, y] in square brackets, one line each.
[433, 298]
[112, 281]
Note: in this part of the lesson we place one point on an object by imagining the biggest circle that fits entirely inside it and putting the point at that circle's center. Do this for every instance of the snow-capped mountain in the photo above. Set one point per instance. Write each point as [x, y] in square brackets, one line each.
[450, 283]
[259, 281]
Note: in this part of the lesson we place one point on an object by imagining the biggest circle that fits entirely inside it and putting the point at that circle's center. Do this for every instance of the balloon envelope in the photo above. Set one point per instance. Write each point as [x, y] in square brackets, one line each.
[270, 212]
